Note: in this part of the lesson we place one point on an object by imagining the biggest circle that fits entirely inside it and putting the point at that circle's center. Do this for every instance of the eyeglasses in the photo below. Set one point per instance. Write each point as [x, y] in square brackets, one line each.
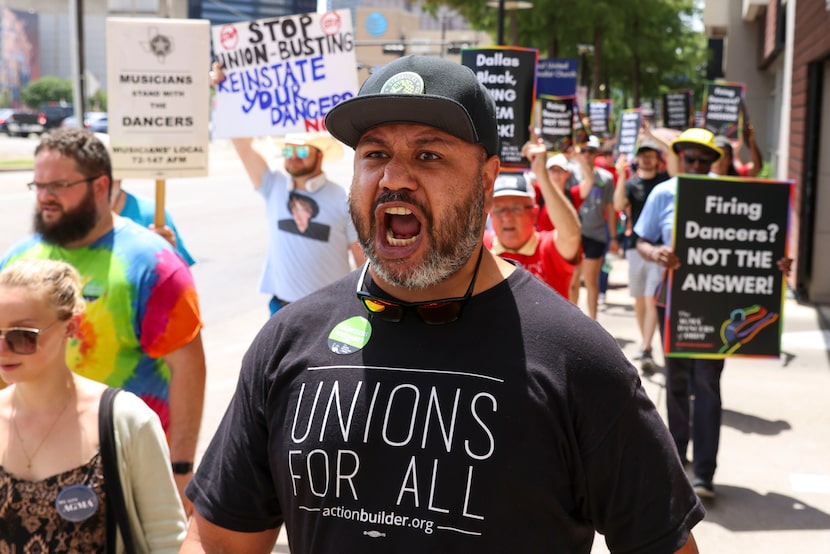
[431, 312]
[515, 210]
[302, 151]
[58, 189]
[692, 160]
[23, 340]
[589, 151]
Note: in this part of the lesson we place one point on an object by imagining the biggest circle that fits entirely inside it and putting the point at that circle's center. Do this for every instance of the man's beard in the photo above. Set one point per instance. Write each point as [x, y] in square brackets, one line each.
[459, 239]
[73, 225]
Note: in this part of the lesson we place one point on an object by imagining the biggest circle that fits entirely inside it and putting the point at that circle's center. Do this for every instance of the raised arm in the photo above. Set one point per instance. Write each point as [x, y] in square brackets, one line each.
[672, 163]
[252, 159]
[587, 182]
[620, 199]
[754, 152]
[561, 212]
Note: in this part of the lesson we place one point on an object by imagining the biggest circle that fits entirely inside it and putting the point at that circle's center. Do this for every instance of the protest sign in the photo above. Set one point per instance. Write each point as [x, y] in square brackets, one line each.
[158, 97]
[599, 113]
[629, 129]
[727, 295]
[510, 76]
[677, 109]
[556, 77]
[557, 122]
[283, 75]
[722, 108]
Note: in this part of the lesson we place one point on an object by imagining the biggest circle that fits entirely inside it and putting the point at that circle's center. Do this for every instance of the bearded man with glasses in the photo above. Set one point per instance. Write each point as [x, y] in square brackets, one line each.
[142, 327]
[442, 399]
[302, 256]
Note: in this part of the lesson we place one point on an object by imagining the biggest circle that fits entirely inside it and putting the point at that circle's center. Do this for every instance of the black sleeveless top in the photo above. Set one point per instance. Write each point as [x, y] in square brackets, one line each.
[30, 522]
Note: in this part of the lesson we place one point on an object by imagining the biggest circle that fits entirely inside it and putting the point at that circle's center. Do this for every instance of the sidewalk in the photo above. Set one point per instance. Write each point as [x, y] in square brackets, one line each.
[773, 477]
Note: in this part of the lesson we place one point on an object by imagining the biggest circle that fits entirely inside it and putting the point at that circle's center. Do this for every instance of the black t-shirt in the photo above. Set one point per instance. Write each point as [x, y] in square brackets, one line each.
[637, 190]
[520, 427]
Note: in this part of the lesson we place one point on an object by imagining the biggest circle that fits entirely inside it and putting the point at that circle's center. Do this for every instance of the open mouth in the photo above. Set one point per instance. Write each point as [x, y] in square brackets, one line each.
[402, 227]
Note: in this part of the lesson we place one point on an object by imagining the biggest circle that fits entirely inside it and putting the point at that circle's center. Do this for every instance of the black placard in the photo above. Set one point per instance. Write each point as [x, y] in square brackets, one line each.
[726, 298]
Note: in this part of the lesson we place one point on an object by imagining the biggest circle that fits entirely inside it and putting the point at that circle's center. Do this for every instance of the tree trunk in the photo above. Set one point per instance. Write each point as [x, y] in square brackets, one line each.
[595, 79]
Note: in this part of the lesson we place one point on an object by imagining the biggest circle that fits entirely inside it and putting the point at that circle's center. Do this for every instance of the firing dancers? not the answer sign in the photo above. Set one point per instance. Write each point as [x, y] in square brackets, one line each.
[726, 297]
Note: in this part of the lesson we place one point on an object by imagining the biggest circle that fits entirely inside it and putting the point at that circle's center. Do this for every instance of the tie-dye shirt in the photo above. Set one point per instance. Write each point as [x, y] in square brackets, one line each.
[141, 305]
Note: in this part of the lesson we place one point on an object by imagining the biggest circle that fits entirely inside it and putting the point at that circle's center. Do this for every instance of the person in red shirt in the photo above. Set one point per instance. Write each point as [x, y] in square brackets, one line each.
[550, 255]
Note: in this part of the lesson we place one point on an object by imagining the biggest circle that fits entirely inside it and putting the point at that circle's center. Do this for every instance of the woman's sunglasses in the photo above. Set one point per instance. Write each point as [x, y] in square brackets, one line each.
[431, 312]
[302, 151]
[22, 340]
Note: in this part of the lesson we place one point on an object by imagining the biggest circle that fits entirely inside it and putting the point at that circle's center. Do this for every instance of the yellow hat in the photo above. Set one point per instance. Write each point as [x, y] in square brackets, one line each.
[332, 150]
[696, 138]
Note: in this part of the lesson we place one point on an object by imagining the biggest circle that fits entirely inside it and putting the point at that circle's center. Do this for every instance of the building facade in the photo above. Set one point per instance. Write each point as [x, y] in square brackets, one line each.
[781, 50]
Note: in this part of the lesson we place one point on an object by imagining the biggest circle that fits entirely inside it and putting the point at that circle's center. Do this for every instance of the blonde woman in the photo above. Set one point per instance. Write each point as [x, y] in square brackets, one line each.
[52, 483]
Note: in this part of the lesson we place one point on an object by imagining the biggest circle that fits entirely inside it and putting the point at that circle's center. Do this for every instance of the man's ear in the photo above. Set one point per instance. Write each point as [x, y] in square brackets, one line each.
[101, 186]
[489, 172]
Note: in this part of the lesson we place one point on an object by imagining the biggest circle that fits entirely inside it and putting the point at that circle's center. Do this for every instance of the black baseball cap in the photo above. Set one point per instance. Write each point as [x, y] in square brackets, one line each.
[424, 90]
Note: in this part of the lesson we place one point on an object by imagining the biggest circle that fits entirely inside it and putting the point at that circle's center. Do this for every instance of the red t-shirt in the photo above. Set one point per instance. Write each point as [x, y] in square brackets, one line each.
[543, 222]
[545, 262]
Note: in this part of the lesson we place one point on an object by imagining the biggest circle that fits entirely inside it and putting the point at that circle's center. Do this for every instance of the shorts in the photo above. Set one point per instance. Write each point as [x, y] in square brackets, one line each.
[643, 275]
[592, 249]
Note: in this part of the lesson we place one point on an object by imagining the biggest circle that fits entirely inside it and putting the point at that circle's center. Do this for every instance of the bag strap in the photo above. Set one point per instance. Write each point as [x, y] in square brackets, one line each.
[116, 506]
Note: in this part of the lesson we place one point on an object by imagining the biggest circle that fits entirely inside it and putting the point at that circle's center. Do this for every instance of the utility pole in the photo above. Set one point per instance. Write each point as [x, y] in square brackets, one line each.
[76, 39]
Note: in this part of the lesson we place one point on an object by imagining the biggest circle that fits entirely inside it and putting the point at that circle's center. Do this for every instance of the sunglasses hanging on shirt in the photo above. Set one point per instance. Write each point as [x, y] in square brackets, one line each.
[431, 312]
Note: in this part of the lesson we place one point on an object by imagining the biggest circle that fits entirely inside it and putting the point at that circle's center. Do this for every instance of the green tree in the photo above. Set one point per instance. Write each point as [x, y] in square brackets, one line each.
[634, 49]
[98, 101]
[47, 89]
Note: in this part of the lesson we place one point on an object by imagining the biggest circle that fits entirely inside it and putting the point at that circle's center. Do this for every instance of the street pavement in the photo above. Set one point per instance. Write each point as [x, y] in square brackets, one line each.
[773, 478]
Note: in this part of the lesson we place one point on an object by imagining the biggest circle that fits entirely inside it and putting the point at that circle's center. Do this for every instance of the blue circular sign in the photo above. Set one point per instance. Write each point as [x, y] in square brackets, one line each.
[376, 24]
[76, 502]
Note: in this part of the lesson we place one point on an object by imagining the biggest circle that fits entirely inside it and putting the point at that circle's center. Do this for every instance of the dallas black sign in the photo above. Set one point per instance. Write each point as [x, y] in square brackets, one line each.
[510, 76]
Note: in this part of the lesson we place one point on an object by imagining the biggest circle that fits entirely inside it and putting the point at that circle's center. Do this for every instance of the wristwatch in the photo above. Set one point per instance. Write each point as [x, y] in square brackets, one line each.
[181, 468]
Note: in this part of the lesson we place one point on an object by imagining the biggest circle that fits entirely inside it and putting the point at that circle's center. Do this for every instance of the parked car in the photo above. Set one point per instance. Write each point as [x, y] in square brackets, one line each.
[48, 116]
[19, 122]
[7, 116]
[97, 122]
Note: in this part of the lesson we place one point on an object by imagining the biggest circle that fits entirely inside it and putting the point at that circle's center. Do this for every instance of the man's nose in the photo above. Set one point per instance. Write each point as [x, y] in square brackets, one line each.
[397, 174]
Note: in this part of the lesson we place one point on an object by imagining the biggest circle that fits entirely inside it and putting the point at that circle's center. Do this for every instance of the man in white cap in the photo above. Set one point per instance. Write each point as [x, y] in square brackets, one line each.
[442, 399]
[310, 233]
[550, 255]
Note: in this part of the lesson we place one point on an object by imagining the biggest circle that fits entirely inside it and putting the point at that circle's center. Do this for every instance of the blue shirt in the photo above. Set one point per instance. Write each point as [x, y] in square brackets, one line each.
[143, 211]
[656, 221]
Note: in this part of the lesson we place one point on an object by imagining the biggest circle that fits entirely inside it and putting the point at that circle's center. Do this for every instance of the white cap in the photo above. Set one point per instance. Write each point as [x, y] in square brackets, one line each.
[558, 160]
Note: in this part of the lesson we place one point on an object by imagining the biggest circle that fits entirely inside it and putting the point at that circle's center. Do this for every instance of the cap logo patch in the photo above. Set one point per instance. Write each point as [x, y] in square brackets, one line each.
[403, 83]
